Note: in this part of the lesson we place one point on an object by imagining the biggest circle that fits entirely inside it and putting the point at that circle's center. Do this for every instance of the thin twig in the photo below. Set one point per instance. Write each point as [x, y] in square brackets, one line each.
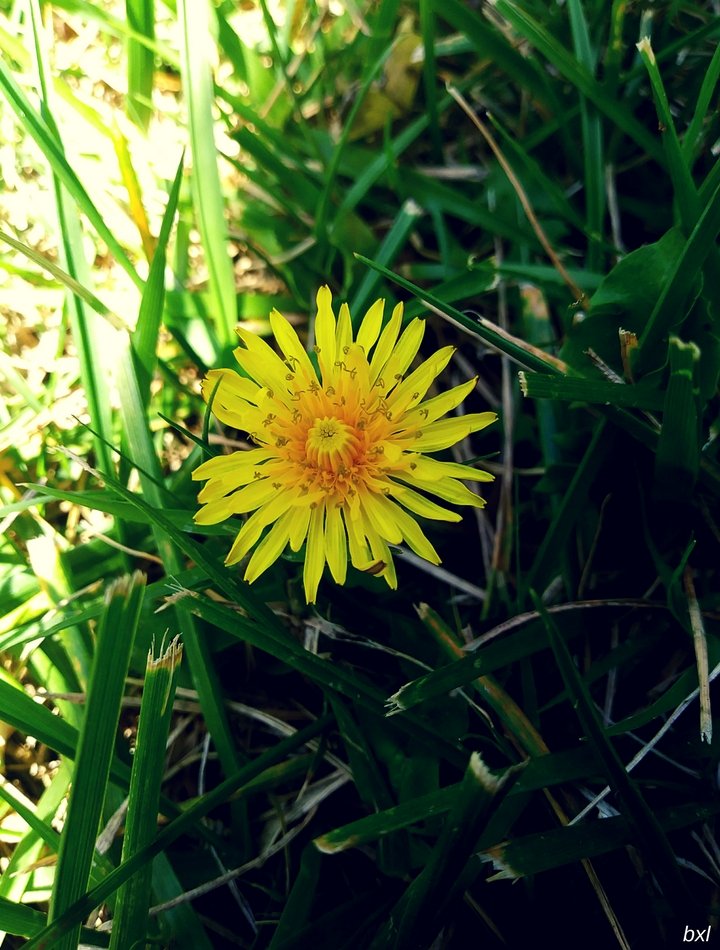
[639, 756]
[701, 656]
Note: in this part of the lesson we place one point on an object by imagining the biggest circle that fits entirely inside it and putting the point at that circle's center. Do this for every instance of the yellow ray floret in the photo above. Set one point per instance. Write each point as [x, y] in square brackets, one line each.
[340, 462]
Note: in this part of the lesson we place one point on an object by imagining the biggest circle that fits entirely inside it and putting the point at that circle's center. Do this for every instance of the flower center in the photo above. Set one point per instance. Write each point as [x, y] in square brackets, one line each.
[331, 445]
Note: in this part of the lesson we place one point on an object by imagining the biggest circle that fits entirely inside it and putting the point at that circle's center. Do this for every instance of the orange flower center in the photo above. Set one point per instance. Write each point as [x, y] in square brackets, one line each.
[331, 445]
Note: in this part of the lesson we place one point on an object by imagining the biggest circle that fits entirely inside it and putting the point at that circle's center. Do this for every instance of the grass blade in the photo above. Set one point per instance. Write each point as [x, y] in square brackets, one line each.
[194, 17]
[391, 246]
[94, 755]
[569, 509]
[578, 76]
[680, 281]
[144, 338]
[678, 454]
[418, 915]
[46, 139]
[88, 337]
[140, 60]
[577, 389]
[74, 286]
[693, 135]
[186, 822]
[592, 135]
[130, 917]
[522, 353]
[647, 828]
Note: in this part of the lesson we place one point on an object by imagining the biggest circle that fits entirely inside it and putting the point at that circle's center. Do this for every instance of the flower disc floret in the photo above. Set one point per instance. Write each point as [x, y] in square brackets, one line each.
[339, 462]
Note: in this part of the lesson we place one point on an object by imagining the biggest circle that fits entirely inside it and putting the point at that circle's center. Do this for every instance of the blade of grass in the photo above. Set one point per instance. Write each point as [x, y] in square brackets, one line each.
[522, 643]
[693, 135]
[128, 174]
[393, 242]
[577, 389]
[67, 280]
[133, 899]
[140, 15]
[419, 913]
[22, 712]
[296, 912]
[569, 510]
[678, 454]
[646, 827]
[19, 919]
[687, 199]
[144, 338]
[576, 74]
[326, 674]
[430, 85]
[43, 829]
[686, 196]
[533, 854]
[680, 281]
[88, 338]
[186, 822]
[493, 46]
[142, 451]
[37, 128]
[94, 755]
[194, 19]
[592, 136]
[577, 292]
[522, 353]
[332, 167]
[41, 835]
[540, 772]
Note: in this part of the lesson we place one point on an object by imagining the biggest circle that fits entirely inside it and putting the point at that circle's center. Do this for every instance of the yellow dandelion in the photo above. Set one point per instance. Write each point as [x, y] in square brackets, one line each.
[339, 462]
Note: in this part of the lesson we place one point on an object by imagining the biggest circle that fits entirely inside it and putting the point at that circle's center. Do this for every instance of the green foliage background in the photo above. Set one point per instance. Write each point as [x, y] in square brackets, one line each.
[541, 180]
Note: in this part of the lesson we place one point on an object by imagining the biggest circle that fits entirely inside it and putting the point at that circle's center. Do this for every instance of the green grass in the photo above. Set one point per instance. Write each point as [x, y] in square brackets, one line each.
[539, 181]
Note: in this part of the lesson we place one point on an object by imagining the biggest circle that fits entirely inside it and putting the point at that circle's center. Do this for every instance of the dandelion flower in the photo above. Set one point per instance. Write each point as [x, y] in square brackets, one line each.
[339, 462]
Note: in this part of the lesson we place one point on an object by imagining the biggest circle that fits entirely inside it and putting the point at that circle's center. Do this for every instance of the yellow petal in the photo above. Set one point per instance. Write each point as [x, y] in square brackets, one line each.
[299, 528]
[448, 489]
[441, 435]
[403, 354]
[315, 554]
[260, 361]
[381, 516]
[381, 553]
[218, 487]
[250, 532]
[213, 513]
[270, 548]
[225, 464]
[252, 496]
[414, 536]
[325, 334]
[359, 550]
[290, 344]
[436, 407]
[343, 333]
[335, 544]
[228, 381]
[234, 410]
[370, 326]
[421, 505]
[412, 390]
[385, 344]
[429, 469]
